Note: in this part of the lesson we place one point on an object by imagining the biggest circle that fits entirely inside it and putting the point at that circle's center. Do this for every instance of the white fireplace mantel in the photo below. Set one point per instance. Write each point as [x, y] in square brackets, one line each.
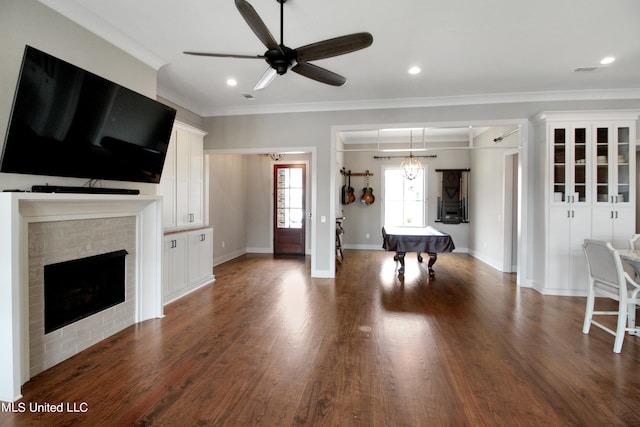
[17, 210]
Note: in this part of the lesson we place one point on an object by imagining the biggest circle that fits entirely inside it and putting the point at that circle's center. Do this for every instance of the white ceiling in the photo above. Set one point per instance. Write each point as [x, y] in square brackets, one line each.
[469, 51]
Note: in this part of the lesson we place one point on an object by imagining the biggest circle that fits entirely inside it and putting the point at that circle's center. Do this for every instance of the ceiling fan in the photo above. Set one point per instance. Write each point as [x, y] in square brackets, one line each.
[282, 58]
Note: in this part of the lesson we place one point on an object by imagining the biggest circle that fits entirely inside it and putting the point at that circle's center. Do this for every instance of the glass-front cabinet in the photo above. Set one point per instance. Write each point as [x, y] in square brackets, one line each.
[613, 164]
[590, 190]
[571, 163]
[592, 163]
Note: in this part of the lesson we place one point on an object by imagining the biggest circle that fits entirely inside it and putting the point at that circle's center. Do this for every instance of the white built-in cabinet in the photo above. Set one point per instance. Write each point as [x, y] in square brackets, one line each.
[188, 262]
[187, 245]
[589, 189]
[182, 182]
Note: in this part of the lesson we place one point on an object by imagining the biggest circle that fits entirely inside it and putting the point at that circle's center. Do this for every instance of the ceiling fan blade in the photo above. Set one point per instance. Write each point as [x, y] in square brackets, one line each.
[266, 79]
[319, 74]
[224, 55]
[257, 25]
[334, 47]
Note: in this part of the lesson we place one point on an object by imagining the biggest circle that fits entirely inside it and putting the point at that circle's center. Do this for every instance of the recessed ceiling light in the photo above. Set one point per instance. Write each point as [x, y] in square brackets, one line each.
[607, 60]
[232, 82]
[414, 70]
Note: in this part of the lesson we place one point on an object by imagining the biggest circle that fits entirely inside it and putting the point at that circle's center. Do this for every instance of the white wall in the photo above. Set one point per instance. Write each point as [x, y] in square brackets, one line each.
[228, 205]
[487, 201]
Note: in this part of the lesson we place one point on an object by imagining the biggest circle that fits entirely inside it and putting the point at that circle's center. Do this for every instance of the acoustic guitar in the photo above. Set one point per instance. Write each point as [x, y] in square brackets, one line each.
[343, 198]
[350, 197]
[367, 192]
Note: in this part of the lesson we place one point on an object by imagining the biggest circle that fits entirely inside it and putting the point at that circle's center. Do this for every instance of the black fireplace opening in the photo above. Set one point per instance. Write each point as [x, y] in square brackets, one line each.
[79, 288]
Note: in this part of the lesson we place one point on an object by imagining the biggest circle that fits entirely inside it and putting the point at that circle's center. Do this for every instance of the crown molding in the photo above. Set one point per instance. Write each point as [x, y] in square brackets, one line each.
[98, 26]
[443, 101]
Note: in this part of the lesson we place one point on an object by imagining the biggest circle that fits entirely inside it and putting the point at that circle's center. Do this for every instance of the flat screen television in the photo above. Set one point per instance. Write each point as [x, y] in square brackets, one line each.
[69, 122]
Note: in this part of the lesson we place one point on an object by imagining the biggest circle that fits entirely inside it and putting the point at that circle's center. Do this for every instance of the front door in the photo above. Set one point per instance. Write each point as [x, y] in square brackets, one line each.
[289, 197]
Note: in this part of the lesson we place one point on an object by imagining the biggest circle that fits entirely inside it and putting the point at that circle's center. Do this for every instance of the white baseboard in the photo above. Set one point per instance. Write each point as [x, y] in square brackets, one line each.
[363, 247]
[204, 282]
[228, 257]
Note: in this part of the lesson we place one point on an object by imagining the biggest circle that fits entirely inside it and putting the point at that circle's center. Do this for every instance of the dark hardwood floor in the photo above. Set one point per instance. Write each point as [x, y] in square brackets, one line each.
[267, 345]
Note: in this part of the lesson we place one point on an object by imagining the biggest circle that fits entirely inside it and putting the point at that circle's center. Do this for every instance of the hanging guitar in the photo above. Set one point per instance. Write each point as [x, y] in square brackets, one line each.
[343, 197]
[350, 197]
[367, 192]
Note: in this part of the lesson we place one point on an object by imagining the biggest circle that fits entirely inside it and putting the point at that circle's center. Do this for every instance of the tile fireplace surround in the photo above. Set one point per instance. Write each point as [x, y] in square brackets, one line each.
[17, 212]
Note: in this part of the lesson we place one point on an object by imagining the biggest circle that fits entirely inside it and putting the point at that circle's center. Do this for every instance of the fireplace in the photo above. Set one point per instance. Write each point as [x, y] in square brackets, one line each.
[79, 288]
[133, 223]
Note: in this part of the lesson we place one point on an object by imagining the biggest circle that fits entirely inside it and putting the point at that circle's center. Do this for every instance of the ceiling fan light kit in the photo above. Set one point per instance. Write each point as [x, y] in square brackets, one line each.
[282, 58]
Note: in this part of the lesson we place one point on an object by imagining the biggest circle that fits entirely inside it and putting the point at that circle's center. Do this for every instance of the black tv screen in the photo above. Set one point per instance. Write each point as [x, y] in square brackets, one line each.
[69, 122]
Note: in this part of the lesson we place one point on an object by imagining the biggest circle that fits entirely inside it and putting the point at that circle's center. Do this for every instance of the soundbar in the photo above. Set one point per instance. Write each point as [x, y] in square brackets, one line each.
[82, 190]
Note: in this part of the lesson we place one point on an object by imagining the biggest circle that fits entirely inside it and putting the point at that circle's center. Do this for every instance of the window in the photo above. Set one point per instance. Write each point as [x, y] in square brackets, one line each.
[405, 203]
[290, 197]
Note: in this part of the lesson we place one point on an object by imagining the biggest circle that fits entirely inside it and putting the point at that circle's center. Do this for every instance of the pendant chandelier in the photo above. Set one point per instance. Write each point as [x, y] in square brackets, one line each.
[411, 166]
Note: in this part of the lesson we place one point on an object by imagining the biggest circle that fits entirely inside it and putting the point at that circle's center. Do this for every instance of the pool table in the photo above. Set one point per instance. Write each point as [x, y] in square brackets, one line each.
[416, 239]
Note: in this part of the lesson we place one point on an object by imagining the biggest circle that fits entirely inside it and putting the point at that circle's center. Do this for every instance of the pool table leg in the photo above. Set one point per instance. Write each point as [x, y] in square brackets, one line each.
[433, 257]
[399, 256]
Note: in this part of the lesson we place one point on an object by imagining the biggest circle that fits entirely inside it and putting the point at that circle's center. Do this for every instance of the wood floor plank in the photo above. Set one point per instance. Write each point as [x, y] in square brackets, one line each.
[268, 345]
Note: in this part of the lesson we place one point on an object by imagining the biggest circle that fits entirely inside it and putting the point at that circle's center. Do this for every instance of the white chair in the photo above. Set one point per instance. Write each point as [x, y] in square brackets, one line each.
[634, 242]
[607, 278]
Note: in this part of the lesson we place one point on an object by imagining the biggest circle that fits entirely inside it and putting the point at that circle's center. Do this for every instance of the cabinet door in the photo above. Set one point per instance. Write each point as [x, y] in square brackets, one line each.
[559, 137]
[604, 159]
[183, 163]
[624, 226]
[602, 223]
[167, 186]
[196, 179]
[615, 224]
[580, 230]
[624, 164]
[580, 158]
[568, 227]
[570, 159]
[615, 163]
[175, 263]
[189, 178]
[200, 255]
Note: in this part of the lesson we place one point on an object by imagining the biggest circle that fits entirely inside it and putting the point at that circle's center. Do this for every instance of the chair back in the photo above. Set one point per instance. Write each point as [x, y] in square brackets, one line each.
[634, 242]
[605, 266]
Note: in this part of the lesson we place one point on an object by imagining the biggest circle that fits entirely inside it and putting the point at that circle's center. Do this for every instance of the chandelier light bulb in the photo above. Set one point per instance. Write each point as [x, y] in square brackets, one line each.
[411, 167]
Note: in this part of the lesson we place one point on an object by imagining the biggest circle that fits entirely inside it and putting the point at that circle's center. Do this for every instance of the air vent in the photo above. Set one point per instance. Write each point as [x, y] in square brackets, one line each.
[248, 96]
[586, 69]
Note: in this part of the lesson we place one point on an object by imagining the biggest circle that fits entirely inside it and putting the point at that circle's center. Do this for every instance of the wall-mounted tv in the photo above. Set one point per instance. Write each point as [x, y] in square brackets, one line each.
[69, 122]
